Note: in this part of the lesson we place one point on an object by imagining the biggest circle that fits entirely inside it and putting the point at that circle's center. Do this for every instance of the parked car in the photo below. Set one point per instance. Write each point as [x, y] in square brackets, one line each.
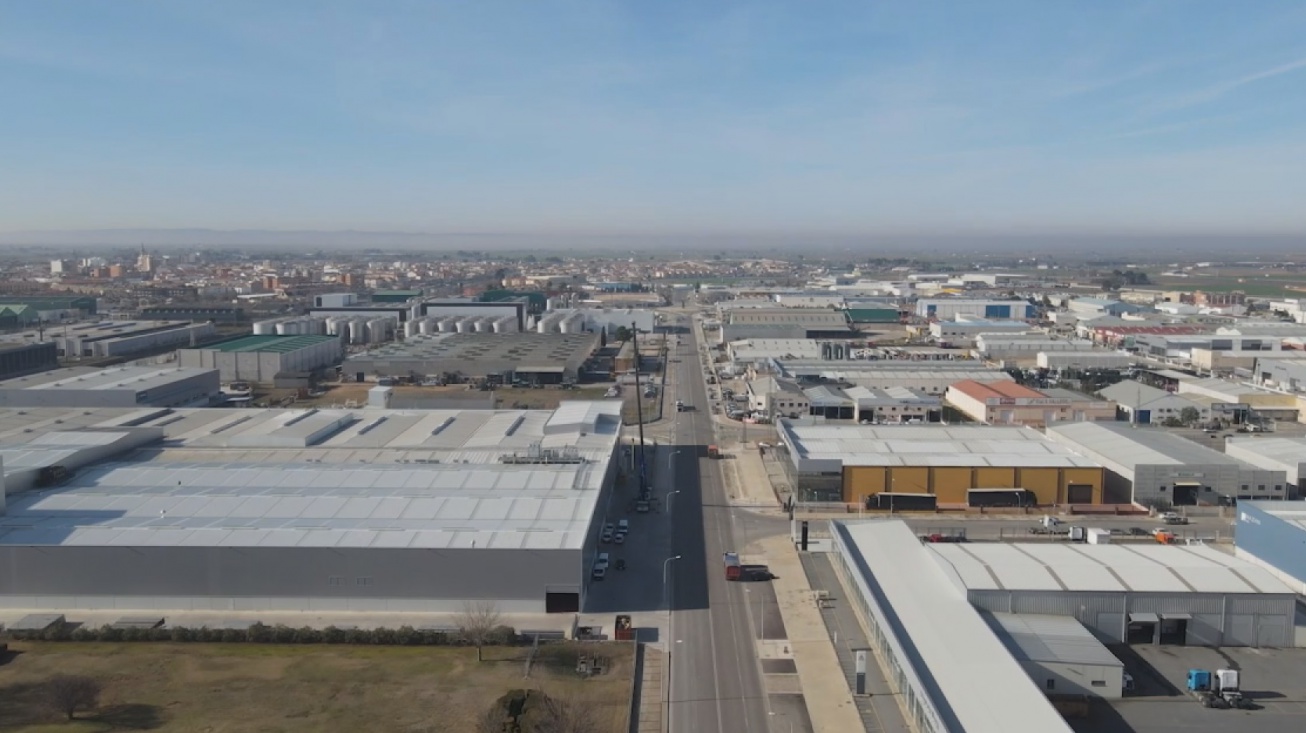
[1174, 518]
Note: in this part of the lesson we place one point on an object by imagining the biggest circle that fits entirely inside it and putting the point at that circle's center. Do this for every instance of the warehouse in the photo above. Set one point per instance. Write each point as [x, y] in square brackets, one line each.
[1153, 468]
[927, 377]
[953, 674]
[261, 358]
[1142, 593]
[934, 465]
[515, 307]
[117, 338]
[1084, 360]
[133, 386]
[964, 330]
[310, 510]
[1271, 535]
[554, 358]
[1008, 403]
[951, 308]
[1144, 405]
[18, 359]
[1059, 654]
[1273, 453]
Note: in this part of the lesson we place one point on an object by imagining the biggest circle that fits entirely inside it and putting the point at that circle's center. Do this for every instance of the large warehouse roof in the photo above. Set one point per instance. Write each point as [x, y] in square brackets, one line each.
[1131, 446]
[970, 677]
[276, 344]
[136, 378]
[334, 478]
[862, 445]
[526, 348]
[1103, 568]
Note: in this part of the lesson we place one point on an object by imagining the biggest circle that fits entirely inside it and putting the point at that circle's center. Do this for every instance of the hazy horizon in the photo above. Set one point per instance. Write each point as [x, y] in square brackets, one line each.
[658, 120]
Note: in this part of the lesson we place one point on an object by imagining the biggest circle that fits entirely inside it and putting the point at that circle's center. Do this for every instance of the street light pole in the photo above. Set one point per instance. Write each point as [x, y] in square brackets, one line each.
[670, 496]
[667, 590]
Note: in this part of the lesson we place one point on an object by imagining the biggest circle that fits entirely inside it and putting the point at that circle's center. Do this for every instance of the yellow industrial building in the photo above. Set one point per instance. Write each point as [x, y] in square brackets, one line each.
[953, 465]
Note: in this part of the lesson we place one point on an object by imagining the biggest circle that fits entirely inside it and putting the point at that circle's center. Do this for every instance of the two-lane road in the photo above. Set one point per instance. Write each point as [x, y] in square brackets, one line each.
[716, 681]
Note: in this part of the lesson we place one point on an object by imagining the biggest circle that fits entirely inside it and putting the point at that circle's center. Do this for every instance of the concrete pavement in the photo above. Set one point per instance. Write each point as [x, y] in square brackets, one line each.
[826, 693]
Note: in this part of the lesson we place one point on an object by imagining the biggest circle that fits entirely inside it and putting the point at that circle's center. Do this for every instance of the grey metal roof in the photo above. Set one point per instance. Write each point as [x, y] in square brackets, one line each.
[1102, 568]
[931, 445]
[1128, 446]
[134, 378]
[1032, 637]
[315, 478]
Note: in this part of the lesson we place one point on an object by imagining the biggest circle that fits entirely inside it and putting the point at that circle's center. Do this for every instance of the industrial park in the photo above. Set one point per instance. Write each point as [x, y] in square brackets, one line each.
[661, 367]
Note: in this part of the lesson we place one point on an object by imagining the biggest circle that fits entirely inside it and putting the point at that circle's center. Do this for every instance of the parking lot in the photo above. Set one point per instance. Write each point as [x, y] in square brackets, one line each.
[1274, 679]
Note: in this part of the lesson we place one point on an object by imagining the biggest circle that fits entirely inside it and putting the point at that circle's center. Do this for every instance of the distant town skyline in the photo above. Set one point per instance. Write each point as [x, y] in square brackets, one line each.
[961, 122]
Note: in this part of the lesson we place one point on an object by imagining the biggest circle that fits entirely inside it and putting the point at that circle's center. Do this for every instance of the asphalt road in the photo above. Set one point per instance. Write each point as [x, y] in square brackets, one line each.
[716, 682]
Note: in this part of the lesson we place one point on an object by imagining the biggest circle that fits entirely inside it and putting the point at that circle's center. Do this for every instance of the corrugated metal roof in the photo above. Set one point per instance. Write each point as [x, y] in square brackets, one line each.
[1128, 445]
[863, 445]
[1036, 637]
[974, 678]
[1102, 568]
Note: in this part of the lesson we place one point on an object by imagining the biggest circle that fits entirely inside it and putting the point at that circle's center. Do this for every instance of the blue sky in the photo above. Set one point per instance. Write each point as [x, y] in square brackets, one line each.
[869, 117]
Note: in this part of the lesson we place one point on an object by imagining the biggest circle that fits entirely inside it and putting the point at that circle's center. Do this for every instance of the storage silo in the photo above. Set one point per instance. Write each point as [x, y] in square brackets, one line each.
[573, 322]
[357, 331]
[333, 325]
[291, 327]
[378, 330]
[412, 328]
[505, 324]
[265, 328]
[314, 326]
[427, 326]
[466, 325]
[448, 324]
[484, 324]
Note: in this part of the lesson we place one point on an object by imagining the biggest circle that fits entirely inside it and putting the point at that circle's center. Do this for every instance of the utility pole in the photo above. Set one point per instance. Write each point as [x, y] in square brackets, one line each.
[639, 415]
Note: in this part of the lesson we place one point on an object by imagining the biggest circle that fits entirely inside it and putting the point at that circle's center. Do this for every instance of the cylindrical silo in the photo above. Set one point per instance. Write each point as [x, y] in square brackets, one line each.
[265, 328]
[505, 324]
[412, 328]
[427, 326]
[358, 331]
[484, 325]
[315, 326]
[465, 325]
[448, 324]
[288, 327]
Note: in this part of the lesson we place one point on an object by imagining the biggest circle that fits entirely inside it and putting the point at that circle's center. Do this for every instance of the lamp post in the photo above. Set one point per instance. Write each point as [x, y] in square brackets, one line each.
[666, 588]
[671, 455]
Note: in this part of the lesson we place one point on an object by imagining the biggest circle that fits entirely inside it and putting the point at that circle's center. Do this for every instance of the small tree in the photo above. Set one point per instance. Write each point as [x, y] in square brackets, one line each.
[478, 623]
[1189, 415]
[71, 693]
[622, 333]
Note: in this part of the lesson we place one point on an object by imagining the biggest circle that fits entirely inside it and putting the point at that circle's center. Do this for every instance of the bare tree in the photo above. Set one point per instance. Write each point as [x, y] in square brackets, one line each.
[477, 623]
[563, 715]
[70, 693]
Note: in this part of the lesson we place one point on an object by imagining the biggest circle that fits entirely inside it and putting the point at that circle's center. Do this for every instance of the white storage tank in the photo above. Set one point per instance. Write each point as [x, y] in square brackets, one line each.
[379, 330]
[466, 325]
[333, 325]
[573, 322]
[315, 326]
[505, 324]
[447, 324]
[265, 328]
[358, 331]
[412, 328]
[292, 327]
[485, 324]
[428, 326]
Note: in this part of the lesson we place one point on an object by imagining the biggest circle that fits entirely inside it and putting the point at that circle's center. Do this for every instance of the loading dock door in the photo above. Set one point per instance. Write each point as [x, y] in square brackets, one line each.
[1144, 417]
[1142, 628]
[1185, 493]
[1174, 628]
[561, 602]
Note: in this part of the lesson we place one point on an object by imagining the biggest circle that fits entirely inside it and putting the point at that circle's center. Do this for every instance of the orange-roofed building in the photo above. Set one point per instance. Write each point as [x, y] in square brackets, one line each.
[1008, 403]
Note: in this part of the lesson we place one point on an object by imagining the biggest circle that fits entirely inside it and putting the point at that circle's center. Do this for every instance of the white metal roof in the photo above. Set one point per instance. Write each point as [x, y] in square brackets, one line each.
[864, 445]
[1043, 638]
[134, 378]
[314, 478]
[1128, 446]
[954, 650]
[1150, 568]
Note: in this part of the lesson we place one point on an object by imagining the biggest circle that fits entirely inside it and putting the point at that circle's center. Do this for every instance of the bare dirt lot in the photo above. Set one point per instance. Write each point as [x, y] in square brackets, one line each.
[266, 688]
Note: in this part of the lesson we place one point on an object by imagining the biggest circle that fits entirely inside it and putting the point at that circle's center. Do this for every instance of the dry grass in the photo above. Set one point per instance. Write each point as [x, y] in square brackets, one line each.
[239, 688]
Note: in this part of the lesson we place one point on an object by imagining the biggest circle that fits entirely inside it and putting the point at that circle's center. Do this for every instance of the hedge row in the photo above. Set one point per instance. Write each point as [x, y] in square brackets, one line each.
[263, 634]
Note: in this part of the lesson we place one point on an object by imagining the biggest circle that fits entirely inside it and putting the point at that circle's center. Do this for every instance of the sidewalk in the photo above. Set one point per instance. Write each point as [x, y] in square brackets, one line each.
[829, 700]
[747, 481]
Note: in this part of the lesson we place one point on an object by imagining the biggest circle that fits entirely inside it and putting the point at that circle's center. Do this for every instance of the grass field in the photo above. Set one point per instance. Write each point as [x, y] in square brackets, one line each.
[1255, 285]
[264, 688]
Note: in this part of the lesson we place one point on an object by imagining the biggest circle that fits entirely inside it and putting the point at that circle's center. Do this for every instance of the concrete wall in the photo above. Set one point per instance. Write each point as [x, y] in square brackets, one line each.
[282, 578]
[1218, 619]
[1059, 678]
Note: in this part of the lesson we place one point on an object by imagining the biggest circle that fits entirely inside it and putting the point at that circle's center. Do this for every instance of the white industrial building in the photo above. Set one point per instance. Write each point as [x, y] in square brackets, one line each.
[964, 630]
[103, 339]
[131, 386]
[950, 308]
[263, 358]
[1144, 404]
[1002, 346]
[304, 510]
[1084, 360]
[964, 330]
[1059, 654]
[1273, 453]
[927, 377]
[1151, 467]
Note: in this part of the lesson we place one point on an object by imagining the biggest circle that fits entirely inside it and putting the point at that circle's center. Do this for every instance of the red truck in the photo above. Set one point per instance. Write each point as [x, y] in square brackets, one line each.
[624, 631]
[733, 568]
[713, 451]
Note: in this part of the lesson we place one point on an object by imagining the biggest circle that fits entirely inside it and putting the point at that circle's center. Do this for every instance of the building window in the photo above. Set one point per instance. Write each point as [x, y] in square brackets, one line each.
[1098, 683]
[336, 580]
[1260, 487]
[362, 581]
[1051, 684]
[1246, 487]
